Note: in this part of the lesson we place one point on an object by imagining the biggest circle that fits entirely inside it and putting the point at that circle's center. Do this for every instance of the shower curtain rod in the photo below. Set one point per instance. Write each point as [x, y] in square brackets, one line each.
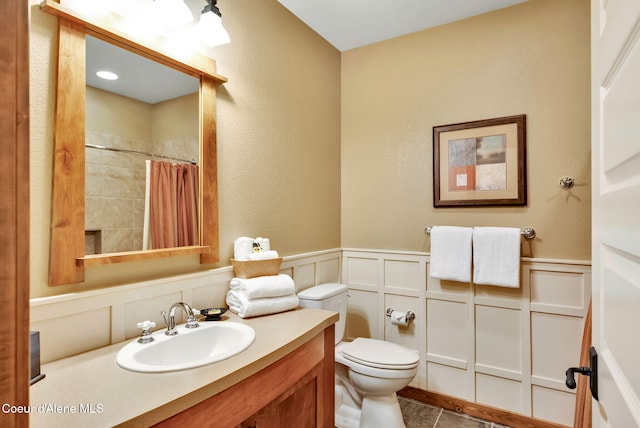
[137, 152]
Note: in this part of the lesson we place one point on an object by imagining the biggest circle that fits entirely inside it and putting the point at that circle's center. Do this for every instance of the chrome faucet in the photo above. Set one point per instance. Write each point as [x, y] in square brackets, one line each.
[170, 320]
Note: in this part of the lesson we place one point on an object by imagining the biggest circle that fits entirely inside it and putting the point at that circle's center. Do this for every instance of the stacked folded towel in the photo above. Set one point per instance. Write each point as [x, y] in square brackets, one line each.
[262, 295]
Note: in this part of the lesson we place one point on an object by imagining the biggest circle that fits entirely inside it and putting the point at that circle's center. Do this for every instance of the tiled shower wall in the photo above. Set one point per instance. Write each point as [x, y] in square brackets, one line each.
[115, 189]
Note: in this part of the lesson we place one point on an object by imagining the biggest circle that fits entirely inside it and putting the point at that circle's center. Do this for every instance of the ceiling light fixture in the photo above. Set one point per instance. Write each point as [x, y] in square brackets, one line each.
[209, 29]
[107, 75]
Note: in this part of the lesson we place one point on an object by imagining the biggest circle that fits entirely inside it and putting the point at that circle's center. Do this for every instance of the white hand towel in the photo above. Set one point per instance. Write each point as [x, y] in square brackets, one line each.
[263, 255]
[496, 256]
[242, 247]
[451, 253]
[246, 308]
[264, 286]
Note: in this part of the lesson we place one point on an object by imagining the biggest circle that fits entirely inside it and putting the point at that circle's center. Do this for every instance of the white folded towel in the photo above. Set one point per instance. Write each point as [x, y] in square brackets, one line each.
[246, 308]
[242, 247]
[263, 255]
[264, 286]
[496, 256]
[451, 253]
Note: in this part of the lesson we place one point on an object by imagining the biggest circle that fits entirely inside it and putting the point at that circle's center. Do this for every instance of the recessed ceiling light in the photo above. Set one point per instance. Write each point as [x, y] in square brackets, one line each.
[107, 75]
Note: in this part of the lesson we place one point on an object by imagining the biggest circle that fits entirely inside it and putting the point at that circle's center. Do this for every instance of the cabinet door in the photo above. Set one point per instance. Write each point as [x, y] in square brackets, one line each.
[295, 408]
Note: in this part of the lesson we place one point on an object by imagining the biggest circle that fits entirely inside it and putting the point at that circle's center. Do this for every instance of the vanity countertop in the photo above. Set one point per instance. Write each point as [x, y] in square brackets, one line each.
[91, 390]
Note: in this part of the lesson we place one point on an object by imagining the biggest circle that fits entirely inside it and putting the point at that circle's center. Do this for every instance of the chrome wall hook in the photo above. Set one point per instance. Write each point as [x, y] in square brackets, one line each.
[566, 182]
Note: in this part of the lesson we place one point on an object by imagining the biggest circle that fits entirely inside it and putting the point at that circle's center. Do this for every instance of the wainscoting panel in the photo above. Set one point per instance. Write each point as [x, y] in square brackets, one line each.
[73, 333]
[403, 276]
[552, 404]
[303, 275]
[362, 315]
[363, 272]
[449, 380]
[447, 333]
[500, 392]
[79, 322]
[410, 335]
[499, 341]
[560, 333]
[391, 280]
[497, 346]
[559, 295]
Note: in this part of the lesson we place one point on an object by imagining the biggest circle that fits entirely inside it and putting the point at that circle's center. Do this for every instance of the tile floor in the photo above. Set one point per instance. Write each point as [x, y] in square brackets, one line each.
[420, 415]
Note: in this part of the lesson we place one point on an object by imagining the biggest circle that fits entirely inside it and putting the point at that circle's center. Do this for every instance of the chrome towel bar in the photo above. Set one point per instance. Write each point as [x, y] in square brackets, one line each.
[527, 232]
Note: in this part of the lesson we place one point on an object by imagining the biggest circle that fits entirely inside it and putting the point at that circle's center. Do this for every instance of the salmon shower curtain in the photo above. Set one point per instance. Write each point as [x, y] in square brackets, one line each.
[173, 208]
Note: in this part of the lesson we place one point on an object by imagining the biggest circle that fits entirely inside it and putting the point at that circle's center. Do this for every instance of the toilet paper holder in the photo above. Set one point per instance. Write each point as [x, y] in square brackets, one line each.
[410, 315]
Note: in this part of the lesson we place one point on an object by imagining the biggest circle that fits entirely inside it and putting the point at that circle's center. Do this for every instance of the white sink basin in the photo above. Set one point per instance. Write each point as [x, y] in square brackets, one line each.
[209, 343]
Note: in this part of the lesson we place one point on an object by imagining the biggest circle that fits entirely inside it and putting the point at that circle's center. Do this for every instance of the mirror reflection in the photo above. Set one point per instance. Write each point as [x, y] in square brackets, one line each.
[142, 148]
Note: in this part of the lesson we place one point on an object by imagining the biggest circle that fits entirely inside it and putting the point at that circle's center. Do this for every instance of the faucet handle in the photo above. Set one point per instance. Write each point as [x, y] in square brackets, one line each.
[146, 327]
[192, 320]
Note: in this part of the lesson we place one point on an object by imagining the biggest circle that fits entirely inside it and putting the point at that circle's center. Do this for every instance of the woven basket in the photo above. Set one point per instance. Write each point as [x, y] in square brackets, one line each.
[254, 268]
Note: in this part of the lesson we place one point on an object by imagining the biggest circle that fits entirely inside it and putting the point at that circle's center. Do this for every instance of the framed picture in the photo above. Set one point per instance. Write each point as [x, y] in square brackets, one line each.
[480, 163]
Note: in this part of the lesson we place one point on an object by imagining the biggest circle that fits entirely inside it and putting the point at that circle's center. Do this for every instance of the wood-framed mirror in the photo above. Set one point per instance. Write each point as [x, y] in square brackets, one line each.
[68, 258]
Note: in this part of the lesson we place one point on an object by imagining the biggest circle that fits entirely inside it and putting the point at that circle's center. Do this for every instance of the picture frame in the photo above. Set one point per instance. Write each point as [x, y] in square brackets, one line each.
[480, 163]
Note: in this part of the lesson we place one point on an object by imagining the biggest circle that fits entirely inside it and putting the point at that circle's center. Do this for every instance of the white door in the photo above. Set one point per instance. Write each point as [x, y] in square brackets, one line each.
[615, 76]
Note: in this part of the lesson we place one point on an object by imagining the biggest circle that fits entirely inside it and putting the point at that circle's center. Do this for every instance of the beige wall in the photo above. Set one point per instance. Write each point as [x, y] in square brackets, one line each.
[320, 150]
[176, 119]
[109, 113]
[530, 59]
[278, 142]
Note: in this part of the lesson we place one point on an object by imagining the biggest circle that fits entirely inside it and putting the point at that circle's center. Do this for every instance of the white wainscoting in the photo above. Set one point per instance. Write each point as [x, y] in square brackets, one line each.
[507, 348]
[74, 323]
[502, 347]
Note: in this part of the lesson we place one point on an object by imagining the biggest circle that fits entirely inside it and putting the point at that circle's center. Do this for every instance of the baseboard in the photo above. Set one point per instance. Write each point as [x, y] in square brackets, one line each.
[488, 413]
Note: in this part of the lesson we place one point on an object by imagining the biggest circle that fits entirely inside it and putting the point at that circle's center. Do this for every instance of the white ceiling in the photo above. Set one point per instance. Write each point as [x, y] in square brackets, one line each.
[139, 78]
[348, 24]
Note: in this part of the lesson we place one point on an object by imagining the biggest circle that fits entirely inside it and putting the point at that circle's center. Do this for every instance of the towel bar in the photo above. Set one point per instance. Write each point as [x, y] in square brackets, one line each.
[527, 232]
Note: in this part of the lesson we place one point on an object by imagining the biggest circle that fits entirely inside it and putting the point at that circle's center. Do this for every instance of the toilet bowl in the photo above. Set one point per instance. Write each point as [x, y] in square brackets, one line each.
[368, 372]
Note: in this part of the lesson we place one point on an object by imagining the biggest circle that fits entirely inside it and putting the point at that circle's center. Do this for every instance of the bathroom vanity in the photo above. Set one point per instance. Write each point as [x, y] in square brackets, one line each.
[287, 374]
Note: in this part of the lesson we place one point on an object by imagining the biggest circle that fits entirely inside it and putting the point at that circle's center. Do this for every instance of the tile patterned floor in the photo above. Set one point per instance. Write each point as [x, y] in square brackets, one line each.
[420, 415]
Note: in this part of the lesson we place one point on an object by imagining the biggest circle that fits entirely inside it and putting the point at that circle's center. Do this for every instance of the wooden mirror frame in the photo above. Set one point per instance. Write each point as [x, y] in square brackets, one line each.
[67, 259]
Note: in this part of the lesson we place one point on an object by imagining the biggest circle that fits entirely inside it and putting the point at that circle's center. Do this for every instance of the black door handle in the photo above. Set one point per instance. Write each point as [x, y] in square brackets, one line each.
[591, 371]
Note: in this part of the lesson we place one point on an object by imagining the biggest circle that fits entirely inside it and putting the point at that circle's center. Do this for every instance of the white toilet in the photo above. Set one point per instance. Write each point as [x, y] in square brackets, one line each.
[369, 372]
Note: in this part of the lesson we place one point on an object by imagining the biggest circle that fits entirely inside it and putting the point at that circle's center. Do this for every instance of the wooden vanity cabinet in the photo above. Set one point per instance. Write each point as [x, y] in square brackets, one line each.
[295, 391]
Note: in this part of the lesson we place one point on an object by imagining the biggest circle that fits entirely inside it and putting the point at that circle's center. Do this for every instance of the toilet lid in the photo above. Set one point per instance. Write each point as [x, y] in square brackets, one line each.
[380, 354]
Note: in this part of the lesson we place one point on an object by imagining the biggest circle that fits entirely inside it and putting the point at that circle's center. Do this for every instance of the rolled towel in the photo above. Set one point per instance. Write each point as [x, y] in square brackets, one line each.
[246, 308]
[263, 255]
[264, 286]
[242, 247]
[264, 243]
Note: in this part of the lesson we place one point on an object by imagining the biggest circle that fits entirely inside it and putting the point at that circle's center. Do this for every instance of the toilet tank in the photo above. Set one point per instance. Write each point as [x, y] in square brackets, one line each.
[332, 297]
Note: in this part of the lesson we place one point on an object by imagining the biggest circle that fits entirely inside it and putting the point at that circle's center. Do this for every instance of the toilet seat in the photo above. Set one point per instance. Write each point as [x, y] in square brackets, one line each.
[388, 371]
[380, 354]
